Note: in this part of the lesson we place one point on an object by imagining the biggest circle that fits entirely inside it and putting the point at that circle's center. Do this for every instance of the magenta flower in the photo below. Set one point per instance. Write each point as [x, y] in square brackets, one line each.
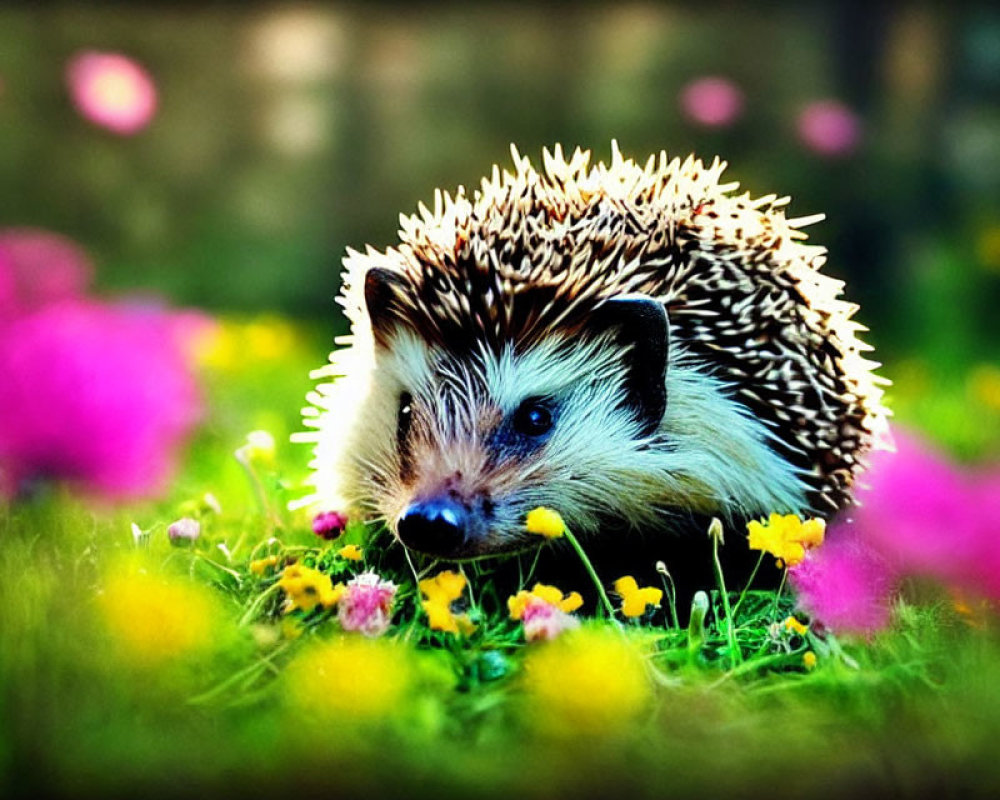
[846, 584]
[94, 393]
[39, 267]
[985, 496]
[917, 508]
[112, 90]
[366, 604]
[919, 515]
[329, 524]
[545, 621]
[712, 102]
[829, 128]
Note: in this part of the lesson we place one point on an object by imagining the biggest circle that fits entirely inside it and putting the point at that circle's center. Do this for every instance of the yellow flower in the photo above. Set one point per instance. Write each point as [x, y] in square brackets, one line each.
[516, 604]
[809, 660]
[351, 552]
[350, 679]
[154, 619]
[545, 522]
[795, 626]
[984, 385]
[786, 537]
[225, 345]
[636, 599]
[446, 586]
[589, 680]
[269, 338]
[217, 346]
[262, 565]
[307, 588]
[439, 593]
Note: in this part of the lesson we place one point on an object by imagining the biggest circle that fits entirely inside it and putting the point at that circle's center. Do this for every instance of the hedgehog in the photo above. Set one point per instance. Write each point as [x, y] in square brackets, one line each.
[635, 346]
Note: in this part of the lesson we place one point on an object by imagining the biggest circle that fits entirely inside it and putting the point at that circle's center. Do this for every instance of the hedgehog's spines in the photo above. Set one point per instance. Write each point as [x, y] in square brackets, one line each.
[530, 253]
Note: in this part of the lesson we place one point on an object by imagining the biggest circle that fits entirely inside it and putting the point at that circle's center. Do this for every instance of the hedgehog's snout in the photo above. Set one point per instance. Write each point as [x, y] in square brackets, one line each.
[437, 526]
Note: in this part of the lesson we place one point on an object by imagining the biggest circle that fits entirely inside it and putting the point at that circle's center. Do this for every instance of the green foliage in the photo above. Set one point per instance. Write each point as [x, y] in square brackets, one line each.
[733, 708]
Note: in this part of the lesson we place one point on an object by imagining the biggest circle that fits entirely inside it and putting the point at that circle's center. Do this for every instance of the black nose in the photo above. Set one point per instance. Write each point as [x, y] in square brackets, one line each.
[436, 527]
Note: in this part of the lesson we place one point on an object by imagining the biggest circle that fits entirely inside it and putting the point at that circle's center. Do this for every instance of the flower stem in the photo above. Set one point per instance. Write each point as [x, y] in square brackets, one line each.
[753, 574]
[671, 592]
[734, 652]
[610, 609]
[777, 594]
[258, 489]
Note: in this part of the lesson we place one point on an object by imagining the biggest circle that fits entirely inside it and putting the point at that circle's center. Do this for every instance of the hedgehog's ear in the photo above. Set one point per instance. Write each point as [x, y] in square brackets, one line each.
[644, 331]
[381, 289]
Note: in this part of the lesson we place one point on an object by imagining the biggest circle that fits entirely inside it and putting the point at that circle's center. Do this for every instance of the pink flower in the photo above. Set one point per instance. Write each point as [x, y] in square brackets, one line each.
[985, 497]
[933, 518]
[184, 531]
[366, 604]
[919, 515]
[712, 102]
[544, 621]
[846, 584]
[93, 393]
[329, 524]
[112, 90]
[829, 128]
[917, 509]
[39, 267]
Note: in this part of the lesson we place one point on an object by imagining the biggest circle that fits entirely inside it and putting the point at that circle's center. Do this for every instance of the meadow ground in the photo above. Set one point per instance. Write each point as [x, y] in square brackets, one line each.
[133, 665]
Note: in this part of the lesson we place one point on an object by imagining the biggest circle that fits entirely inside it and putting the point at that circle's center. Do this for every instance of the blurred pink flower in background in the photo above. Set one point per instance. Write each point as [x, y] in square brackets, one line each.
[93, 393]
[366, 604]
[919, 515]
[917, 506]
[99, 394]
[829, 128]
[544, 622]
[846, 584]
[712, 101]
[112, 90]
[39, 267]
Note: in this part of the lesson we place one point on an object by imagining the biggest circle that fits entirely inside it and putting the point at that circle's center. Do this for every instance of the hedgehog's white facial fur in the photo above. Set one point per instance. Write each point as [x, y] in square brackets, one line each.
[707, 455]
[770, 403]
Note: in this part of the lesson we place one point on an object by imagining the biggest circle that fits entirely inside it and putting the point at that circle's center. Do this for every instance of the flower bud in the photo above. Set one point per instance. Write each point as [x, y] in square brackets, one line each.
[184, 531]
[329, 524]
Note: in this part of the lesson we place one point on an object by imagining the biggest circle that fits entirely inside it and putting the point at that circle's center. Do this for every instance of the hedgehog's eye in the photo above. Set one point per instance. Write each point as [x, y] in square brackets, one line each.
[533, 417]
[405, 416]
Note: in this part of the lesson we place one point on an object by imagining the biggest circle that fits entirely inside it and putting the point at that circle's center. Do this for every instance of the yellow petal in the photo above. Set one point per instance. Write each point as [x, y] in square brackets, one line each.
[330, 598]
[792, 553]
[550, 594]
[439, 617]
[794, 625]
[812, 532]
[626, 585]
[571, 602]
[443, 587]
[651, 595]
[633, 605]
[545, 522]
[516, 604]
[351, 552]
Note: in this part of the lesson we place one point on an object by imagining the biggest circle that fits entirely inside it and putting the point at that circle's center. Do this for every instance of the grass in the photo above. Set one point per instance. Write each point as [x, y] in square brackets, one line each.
[732, 709]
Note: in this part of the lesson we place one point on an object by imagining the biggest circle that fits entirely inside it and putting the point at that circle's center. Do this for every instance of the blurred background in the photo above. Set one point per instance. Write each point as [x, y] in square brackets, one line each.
[180, 182]
[223, 156]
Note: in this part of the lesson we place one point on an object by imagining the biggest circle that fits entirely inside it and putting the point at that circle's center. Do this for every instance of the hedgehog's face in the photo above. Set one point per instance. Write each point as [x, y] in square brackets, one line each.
[458, 443]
